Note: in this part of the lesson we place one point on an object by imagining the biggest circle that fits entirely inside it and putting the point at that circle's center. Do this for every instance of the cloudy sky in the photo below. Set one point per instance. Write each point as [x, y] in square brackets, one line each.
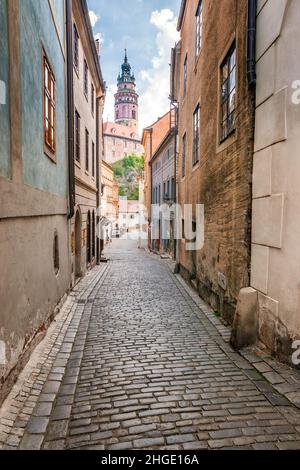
[148, 29]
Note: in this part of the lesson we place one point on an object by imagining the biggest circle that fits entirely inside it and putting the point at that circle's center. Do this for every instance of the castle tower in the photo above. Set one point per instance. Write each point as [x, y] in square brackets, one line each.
[126, 99]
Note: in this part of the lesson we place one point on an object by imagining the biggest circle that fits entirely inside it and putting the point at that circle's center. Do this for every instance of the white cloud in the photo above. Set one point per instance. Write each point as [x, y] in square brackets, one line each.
[94, 18]
[154, 101]
[155, 81]
[109, 114]
[99, 36]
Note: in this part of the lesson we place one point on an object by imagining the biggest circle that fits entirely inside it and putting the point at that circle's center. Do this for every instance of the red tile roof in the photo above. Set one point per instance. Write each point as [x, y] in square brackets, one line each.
[113, 129]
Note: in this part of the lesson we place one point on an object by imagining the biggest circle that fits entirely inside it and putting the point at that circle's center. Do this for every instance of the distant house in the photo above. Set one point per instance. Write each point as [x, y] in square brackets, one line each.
[120, 141]
[129, 215]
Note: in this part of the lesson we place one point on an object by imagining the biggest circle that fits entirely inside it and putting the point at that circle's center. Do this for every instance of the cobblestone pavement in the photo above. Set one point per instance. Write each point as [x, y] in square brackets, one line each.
[135, 360]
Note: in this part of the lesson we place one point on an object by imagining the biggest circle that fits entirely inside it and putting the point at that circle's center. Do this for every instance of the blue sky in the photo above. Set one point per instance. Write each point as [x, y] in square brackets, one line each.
[148, 29]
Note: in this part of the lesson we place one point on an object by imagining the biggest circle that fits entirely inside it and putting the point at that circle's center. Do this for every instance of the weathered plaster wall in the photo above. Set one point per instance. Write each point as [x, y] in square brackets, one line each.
[33, 204]
[38, 31]
[5, 169]
[222, 178]
[31, 289]
[116, 148]
[275, 270]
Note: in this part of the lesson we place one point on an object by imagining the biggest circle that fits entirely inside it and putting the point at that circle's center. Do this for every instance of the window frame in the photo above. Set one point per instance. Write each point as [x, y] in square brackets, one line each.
[77, 137]
[93, 159]
[196, 138]
[92, 99]
[183, 163]
[76, 48]
[49, 118]
[227, 128]
[199, 28]
[86, 79]
[185, 75]
[87, 150]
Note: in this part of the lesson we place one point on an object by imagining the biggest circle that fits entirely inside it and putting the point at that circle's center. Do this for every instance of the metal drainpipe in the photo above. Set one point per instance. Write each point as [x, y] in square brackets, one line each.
[151, 189]
[70, 98]
[251, 43]
[98, 177]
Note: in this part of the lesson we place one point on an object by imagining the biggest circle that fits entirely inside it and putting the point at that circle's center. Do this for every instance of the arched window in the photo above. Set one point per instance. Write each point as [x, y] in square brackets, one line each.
[88, 239]
[56, 253]
[93, 236]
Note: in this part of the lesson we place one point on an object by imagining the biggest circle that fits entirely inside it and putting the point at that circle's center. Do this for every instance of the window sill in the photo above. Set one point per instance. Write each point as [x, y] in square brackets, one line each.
[51, 155]
[227, 142]
[196, 166]
[76, 70]
[197, 58]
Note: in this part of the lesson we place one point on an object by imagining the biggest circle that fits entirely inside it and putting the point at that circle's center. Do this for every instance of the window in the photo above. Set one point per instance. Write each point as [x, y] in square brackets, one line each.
[77, 136]
[183, 154]
[133, 114]
[56, 254]
[93, 159]
[159, 194]
[196, 136]
[76, 48]
[86, 79]
[173, 190]
[93, 235]
[49, 107]
[228, 94]
[199, 23]
[92, 99]
[86, 150]
[185, 75]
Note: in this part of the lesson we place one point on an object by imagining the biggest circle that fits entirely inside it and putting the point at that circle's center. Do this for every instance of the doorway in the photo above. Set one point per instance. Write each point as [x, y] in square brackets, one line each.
[78, 271]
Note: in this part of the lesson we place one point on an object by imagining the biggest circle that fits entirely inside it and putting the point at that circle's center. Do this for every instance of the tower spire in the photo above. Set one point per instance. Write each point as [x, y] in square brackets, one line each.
[126, 98]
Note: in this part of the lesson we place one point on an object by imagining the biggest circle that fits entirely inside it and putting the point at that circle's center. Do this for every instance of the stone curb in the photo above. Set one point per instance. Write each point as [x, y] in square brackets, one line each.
[24, 398]
[284, 381]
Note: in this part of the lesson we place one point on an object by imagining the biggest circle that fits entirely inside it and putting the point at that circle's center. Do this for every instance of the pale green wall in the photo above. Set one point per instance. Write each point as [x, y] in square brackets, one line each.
[5, 169]
[37, 30]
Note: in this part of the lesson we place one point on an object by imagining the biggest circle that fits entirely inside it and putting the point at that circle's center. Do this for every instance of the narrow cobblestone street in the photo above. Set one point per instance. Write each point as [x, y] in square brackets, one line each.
[134, 362]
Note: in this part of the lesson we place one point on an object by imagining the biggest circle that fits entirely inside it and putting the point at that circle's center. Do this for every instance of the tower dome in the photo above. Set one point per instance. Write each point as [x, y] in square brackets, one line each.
[126, 98]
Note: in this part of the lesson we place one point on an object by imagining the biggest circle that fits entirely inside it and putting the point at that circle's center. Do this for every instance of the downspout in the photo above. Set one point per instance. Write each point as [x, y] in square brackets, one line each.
[70, 105]
[151, 189]
[251, 43]
[98, 255]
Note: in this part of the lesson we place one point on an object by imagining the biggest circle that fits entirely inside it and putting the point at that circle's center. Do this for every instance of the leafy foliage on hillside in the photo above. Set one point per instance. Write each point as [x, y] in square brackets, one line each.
[128, 172]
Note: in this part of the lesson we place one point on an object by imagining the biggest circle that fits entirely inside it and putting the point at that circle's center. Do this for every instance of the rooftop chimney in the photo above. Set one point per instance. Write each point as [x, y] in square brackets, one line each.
[97, 44]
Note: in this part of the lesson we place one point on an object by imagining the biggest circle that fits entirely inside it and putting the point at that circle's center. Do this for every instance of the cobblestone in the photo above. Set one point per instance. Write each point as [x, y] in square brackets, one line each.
[137, 360]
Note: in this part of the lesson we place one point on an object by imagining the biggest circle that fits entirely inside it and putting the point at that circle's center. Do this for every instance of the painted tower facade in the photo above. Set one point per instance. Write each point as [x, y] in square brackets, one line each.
[126, 99]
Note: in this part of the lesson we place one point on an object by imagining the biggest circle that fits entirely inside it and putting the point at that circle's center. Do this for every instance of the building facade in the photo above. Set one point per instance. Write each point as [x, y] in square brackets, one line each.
[89, 91]
[275, 263]
[34, 209]
[110, 197]
[126, 98]
[152, 138]
[215, 138]
[129, 216]
[119, 142]
[164, 195]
